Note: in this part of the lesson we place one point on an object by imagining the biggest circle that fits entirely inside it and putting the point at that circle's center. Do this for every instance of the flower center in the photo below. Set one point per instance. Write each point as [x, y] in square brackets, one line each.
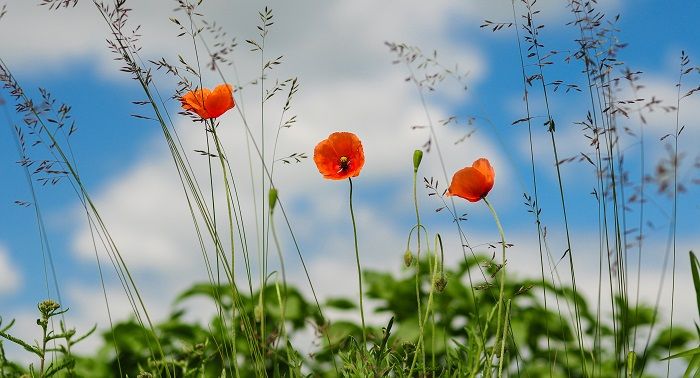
[344, 163]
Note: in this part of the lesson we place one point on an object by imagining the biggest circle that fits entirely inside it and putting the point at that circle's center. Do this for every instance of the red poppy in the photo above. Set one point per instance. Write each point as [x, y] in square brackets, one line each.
[473, 183]
[209, 103]
[340, 156]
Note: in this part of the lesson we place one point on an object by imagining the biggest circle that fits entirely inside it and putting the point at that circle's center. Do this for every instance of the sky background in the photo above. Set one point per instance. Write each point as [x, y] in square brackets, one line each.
[347, 83]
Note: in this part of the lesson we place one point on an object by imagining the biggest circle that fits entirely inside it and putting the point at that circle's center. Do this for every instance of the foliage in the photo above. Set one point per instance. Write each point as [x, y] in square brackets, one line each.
[541, 338]
[54, 350]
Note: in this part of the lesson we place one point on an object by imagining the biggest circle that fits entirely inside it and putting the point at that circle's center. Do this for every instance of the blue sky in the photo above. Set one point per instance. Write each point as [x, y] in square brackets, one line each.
[344, 86]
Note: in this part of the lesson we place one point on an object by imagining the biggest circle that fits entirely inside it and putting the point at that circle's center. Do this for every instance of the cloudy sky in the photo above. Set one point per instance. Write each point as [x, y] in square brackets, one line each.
[337, 51]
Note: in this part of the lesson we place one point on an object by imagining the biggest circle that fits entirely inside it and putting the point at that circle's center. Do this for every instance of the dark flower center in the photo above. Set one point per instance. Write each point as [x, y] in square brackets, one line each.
[344, 163]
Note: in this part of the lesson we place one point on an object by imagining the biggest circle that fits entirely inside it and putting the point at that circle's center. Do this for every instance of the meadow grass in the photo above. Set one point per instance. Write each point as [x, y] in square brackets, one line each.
[472, 318]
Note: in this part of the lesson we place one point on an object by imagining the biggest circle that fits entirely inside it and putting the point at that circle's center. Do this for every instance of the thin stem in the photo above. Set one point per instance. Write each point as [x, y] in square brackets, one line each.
[674, 217]
[283, 299]
[44, 325]
[550, 121]
[359, 270]
[503, 340]
[502, 270]
[433, 278]
[535, 203]
[263, 249]
[418, 225]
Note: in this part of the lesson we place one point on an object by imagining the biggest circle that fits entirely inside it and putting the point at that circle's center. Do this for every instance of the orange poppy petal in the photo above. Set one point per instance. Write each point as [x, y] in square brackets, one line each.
[357, 161]
[468, 183]
[326, 159]
[484, 166]
[343, 142]
[193, 101]
[219, 101]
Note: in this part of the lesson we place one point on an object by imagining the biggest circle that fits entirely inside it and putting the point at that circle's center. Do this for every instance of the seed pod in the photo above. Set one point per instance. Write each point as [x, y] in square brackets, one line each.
[440, 284]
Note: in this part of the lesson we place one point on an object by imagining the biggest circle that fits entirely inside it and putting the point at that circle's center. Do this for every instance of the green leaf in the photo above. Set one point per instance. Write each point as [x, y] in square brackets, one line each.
[687, 353]
[338, 331]
[57, 367]
[340, 303]
[693, 365]
[695, 268]
[27, 347]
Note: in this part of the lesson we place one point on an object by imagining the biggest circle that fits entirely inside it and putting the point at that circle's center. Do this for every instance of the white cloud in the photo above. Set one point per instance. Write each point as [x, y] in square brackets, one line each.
[10, 275]
[550, 10]
[337, 28]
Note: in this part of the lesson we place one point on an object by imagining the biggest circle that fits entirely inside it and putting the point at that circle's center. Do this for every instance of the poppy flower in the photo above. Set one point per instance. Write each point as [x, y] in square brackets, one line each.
[473, 183]
[209, 103]
[340, 156]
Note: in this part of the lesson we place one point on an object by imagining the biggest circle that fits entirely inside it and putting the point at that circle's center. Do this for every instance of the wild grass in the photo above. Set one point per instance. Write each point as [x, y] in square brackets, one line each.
[471, 318]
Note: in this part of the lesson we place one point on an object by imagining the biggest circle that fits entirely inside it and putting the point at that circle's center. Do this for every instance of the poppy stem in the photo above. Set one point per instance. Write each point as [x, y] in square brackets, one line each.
[502, 288]
[421, 345]
[359, 270]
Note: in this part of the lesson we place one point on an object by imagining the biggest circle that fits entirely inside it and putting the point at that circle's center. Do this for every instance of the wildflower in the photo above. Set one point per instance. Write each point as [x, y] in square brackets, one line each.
[340, 156]
[473, 183]
[48, 307]
[209, 103]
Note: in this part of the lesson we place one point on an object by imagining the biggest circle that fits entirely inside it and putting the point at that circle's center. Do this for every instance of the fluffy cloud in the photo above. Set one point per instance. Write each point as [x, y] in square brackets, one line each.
[10, 275]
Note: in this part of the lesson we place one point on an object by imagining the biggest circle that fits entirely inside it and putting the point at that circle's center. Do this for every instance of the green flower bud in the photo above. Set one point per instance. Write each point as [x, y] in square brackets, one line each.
[417, 157]
[272, 198]
[408, 258]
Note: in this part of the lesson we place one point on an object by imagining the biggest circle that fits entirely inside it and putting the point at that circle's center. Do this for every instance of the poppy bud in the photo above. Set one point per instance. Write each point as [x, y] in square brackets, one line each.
[417, 157]
[272, 198]
[408, 258]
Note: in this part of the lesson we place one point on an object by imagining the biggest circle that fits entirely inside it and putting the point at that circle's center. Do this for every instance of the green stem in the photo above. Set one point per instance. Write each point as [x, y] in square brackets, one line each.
[482, 345]
[281, 297]
[43, 348]
[503, 279]
[359, 271]
[503, 340]
[418, 225]
[433, 276]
